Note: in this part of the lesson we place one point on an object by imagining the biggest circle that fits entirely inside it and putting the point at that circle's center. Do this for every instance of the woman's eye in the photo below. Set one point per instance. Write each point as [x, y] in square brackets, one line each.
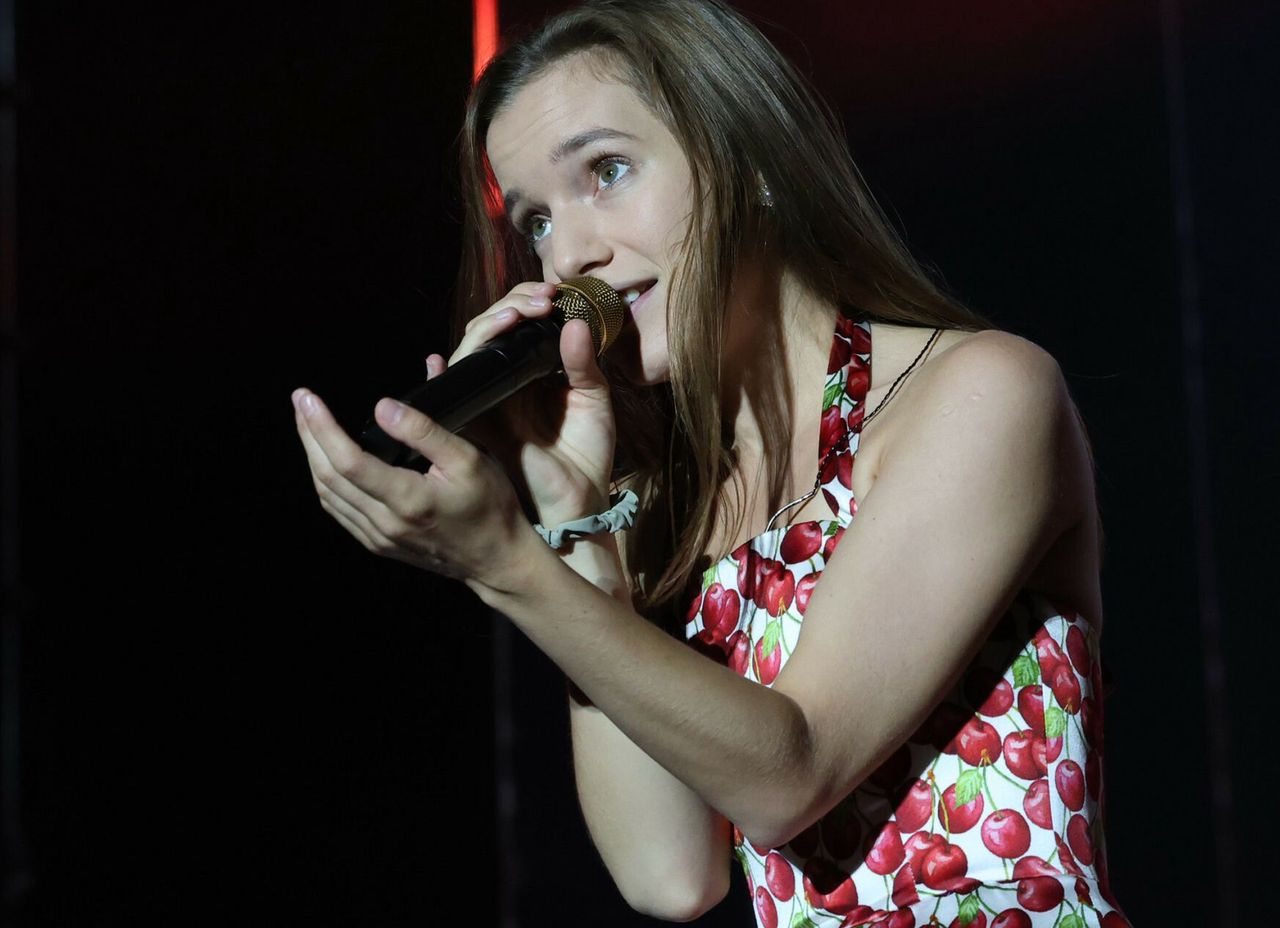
[610, 171]
[537, 228]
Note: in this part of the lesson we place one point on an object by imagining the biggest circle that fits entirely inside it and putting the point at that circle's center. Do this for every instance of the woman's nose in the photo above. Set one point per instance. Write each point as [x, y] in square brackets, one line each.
[578, 247]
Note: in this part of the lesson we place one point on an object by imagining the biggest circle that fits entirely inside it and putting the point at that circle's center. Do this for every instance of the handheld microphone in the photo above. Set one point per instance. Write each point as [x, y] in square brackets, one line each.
[504, 364]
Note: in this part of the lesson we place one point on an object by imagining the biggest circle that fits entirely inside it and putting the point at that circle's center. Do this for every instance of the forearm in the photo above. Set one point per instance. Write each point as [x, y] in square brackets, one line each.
[665, 847]
[667, 850]
[695, 718]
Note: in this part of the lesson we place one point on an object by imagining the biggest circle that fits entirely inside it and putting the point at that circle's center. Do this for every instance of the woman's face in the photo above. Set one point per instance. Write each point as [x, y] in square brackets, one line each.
[598, 186]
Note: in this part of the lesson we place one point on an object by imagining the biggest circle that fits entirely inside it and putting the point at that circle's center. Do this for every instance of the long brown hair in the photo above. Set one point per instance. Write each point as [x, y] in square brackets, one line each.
[740, 112]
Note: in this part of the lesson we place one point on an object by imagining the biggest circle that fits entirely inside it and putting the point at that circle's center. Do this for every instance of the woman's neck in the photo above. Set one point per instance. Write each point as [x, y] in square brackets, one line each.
[802, 326]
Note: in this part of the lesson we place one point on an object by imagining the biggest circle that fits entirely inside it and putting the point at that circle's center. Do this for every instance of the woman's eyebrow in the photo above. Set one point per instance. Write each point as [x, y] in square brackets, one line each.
[564, 149]
[583, 139]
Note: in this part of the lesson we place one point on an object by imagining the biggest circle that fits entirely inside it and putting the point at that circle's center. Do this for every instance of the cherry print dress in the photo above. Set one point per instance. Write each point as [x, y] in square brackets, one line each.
[991, 813]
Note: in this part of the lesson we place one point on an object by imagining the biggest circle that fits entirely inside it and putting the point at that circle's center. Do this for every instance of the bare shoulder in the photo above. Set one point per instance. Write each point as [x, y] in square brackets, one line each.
[988, 394]
[996, 399]
[983, 376]
[996, 361]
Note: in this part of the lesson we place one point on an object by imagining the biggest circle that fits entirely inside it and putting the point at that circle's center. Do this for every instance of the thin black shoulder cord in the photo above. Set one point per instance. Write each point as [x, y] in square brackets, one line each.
[817, 481]
[894, 385]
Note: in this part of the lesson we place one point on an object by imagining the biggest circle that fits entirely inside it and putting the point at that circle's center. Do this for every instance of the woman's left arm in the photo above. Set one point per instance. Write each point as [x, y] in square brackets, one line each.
[968, 500]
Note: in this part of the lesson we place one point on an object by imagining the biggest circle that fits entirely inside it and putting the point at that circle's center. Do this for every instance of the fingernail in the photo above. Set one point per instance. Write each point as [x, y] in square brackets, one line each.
[539, 301]
[507, 314]
[309, 404]
[395, 411]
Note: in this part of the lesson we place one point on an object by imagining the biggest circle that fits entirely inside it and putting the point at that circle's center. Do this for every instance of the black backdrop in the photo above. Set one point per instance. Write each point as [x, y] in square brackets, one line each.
[230, 712]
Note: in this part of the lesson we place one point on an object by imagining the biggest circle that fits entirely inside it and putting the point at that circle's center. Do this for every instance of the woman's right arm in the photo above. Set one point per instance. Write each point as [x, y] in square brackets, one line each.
[667, 850]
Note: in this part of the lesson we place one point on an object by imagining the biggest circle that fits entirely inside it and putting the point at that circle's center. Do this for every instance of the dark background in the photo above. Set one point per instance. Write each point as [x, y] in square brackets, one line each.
[230, 712]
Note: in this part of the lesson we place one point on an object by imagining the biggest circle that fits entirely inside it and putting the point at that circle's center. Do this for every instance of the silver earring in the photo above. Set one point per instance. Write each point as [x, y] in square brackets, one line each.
[765, 195]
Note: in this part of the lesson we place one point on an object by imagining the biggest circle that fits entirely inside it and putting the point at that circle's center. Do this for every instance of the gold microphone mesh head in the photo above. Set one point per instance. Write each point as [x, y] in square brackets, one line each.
[595, 302]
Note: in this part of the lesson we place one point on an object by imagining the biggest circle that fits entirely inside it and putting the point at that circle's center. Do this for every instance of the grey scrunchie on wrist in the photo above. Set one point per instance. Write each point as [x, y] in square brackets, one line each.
[622, 515]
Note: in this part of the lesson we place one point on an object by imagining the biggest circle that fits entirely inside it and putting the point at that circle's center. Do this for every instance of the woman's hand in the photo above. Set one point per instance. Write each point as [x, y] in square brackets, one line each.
[556, 442]
[461, 518]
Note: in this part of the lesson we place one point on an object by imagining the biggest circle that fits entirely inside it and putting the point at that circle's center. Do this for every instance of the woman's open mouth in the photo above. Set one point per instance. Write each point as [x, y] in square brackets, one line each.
[636, 297]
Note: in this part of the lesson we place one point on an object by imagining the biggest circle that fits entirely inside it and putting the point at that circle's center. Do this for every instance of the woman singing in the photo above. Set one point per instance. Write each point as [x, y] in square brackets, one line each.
[850, 633]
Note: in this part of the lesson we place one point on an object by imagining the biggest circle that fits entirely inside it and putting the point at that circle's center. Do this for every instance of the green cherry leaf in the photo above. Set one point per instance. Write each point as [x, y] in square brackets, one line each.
[1025, 671]
[709, 576]
[832, 529]
[800, 920]
[1071, 921]
[1055, 723]
[772, 635]
[833, 392]
[968, 910]
[968, 786]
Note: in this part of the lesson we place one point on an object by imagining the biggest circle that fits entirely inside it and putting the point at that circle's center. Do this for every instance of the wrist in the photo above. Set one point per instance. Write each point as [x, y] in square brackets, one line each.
[620, 515]
[529, 560]
[569, 507]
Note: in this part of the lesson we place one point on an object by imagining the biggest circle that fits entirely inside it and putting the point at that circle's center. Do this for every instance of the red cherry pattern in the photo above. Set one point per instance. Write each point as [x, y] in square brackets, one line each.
[978, 743]
[1020, 755]
[888, 852]
[915, 807]
[827, 887]
[1012, 918]
[958, 819]
[1079, 839]
[1031, 707]
[1033, 866]
[1036, 804]
[739, 652]
[801, 542]
[1040, 893]
[766, 909]
[1005, 833]
[918, 847]
[942, 864]
[1070, 780]
[779, 877]
[904, 887]
[768, 664]
[989, 815]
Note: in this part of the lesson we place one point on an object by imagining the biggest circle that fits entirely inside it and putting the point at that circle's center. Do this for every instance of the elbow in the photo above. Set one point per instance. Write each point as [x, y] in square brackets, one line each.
[795, 802]
[776, 834]
[804, 788]
[681, 901]
[778, 822]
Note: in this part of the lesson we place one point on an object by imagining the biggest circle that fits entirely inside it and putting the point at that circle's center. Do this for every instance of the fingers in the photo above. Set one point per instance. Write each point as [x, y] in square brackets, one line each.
[342, 489]
[336, 494]
[578, 354]
[447, 453]
[354, 482]
[525, 301]
[481, 431]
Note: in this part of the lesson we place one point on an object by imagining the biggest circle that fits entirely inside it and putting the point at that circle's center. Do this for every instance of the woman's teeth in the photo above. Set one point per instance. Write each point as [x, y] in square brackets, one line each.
[631, 295]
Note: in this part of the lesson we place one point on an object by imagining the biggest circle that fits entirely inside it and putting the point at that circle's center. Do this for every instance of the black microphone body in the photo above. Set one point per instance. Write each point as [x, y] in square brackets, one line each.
[503, 365]
[474, 384]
